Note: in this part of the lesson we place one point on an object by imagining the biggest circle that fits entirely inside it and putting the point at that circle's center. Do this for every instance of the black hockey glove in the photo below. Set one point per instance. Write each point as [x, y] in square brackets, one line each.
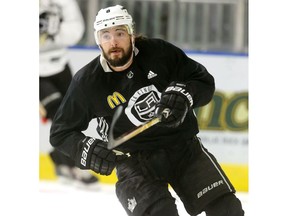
[178, 101]
[94, 155]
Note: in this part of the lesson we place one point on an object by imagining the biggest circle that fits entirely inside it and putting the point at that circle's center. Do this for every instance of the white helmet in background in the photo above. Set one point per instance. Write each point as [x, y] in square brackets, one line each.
[112, 16]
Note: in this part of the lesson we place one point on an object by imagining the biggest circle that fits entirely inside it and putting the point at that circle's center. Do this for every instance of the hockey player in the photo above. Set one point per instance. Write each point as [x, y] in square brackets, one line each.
[145, 76]
[61, 25]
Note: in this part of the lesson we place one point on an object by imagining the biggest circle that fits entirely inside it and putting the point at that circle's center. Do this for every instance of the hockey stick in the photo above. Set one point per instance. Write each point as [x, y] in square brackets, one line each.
[114, 142]
[42, 39]
[42, 110]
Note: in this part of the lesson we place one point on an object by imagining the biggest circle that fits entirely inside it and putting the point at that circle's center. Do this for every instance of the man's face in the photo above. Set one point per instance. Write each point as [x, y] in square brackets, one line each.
[116, 45]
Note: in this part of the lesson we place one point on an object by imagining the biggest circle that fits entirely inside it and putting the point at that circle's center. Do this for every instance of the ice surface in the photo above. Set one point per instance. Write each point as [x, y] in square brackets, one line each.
[61, 199]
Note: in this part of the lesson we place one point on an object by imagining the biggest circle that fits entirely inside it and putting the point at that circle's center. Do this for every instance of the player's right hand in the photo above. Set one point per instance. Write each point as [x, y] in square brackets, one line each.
[94, 155]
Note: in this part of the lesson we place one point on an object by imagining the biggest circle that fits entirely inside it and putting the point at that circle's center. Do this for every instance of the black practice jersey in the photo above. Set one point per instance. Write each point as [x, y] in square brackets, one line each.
[96, 92]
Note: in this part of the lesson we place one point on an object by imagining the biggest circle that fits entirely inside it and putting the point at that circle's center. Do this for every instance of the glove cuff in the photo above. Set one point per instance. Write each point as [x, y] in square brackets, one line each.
[83, 157]
[180, 89]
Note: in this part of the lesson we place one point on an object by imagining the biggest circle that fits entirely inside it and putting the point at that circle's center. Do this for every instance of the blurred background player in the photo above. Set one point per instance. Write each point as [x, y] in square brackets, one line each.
[61, 25]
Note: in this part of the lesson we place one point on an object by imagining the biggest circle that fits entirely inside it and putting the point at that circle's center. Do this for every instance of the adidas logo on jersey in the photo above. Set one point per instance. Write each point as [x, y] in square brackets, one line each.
[151, 74]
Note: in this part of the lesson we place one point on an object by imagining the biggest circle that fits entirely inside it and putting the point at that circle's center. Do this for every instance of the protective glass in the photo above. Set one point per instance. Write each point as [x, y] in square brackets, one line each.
[106, 36]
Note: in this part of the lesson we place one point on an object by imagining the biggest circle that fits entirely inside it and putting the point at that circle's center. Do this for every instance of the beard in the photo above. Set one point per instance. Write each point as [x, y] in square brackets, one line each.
[119, 61]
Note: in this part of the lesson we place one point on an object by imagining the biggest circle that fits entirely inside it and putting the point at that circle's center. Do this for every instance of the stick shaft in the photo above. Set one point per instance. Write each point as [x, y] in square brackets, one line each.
[126, 136]
[42, 110]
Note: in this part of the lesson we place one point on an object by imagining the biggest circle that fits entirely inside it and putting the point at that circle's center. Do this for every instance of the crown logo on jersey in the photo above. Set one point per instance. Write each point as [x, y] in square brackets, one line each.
[151, 74]
[130, 74]
[132, 204]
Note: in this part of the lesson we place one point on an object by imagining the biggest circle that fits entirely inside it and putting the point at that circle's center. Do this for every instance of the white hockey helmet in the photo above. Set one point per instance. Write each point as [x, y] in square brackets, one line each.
[112, 16]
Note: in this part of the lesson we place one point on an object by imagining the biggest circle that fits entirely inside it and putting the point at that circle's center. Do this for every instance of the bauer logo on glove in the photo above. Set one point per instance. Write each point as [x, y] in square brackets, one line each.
[179, 87]
[93, 154]
[178, 101]
[85, 151]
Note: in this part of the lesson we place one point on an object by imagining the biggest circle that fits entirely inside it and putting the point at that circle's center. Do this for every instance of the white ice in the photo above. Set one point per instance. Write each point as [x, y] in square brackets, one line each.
[60, 199]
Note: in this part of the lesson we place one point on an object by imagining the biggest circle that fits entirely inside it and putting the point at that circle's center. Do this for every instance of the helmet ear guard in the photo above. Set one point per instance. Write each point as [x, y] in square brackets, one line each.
[110, 17]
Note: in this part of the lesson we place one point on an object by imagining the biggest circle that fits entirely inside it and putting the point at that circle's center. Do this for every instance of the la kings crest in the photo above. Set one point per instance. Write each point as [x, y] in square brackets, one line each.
[142, 104]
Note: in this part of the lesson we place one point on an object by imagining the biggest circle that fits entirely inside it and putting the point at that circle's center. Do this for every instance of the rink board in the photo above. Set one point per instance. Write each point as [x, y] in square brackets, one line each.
[237, 173]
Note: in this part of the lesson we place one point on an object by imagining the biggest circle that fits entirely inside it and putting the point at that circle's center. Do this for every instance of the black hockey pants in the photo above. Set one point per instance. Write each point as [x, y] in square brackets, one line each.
[192, 172]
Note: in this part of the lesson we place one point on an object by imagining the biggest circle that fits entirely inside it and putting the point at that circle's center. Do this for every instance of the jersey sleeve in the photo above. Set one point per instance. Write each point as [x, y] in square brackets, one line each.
[199, 81]
[72, 117]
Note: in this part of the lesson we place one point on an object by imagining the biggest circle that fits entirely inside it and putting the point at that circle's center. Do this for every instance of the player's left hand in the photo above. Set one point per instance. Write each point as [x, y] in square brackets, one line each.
[178, 100]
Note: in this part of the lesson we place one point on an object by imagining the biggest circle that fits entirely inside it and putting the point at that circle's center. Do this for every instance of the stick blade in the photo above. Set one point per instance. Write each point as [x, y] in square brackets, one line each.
[111, 141]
